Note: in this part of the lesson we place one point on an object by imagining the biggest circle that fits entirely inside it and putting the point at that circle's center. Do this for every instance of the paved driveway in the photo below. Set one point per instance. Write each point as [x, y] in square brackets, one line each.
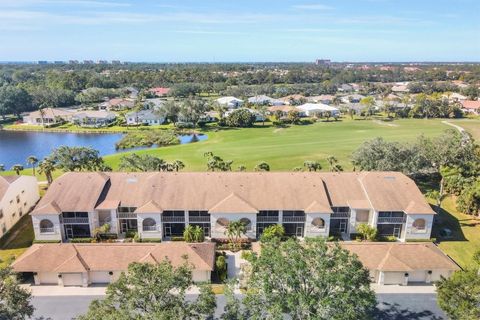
[397, 306]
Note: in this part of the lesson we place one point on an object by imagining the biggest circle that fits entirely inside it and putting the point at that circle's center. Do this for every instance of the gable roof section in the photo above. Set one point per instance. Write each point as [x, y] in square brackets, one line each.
[233, 204]
[75, 192]
[68, 257]
[48, 208]
[149, 207]
[316, 207]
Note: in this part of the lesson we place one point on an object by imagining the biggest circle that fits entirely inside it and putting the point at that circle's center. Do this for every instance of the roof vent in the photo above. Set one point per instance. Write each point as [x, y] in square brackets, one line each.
[132, 180]
[389, 178]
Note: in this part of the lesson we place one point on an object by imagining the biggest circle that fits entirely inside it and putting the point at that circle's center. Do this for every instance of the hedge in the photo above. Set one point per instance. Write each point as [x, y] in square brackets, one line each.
[82, 240]
[47, 241]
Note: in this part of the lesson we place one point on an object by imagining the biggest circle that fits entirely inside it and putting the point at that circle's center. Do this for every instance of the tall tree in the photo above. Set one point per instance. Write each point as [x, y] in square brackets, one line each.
[333, 164]
[459, 295]
[312, 165]
[170, 110]
[14, 100]
[46, 167]
[78, 159]
[262, 166]
[17, 168]
[307, 280]
[32, 160]
[193, 110]
[14, 300]
[149, 291]
[235, 230]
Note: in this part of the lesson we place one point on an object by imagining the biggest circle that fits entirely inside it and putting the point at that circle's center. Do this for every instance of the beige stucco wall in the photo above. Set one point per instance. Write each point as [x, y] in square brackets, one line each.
[26, 188]
[55, 235]
[312, 231]
[150, 234]
[409, 230]
[219, 233]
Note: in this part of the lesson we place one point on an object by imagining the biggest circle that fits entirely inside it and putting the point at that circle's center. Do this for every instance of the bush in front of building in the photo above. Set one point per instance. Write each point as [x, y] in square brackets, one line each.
[152, 240]
[82, 240]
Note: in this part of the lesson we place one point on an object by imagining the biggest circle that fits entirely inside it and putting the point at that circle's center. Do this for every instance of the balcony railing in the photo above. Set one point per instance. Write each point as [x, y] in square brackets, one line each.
[173, 219]
[293, 219]
[340, 215]
[267, 219]
[397, 220]
[126, 215]
[149, 228]
[75, 220]
[198, 219]
[47, 230]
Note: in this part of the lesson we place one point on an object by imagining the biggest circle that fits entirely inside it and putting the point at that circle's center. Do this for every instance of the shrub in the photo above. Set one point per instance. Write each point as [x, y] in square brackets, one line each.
[152, 240]
[367, 232]
[221, 267]
[148, 138]
[136, 237]
[130, 234]
[47, 241]
[177, 239]
[82, 240]
[276, 231]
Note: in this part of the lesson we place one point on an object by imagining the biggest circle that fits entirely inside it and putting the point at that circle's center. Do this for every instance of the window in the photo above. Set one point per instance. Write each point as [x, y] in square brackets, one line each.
[149, 224]
[318, 223]
[20, 212]
[1, 213]
[18, 199]
[4, 228]
[46, 226]
[419, 224]
[247, 223]
[221, 224]
[362, 216]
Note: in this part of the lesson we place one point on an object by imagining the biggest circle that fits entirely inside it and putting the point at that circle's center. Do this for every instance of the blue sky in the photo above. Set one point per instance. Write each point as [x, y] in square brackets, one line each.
[240, 30]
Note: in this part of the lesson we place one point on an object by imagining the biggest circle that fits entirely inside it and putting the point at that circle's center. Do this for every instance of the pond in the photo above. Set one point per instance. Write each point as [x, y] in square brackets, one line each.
[17, 146]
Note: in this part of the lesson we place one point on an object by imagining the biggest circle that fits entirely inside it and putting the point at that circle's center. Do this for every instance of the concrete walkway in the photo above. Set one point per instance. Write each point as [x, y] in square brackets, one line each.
[412, 289]
[454, 125]
[234, 261]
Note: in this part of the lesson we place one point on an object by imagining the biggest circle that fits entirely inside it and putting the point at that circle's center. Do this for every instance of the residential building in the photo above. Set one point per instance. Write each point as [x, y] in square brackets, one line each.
[230, 102]
[160, 91]
[18, 195]
[93, 118]
[146, 117]
[324, 98]
[117, 104]
[283, 109]
[161, 204]
[293, 99]
[352, 98]
[471, 106]
[48, 116]
[265, 100]
[258, 115]
[86, 264]
[313, 109]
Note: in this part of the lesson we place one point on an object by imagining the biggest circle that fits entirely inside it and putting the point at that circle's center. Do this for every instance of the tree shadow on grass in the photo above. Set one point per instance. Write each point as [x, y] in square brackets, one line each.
[393, 311]
[445, 220]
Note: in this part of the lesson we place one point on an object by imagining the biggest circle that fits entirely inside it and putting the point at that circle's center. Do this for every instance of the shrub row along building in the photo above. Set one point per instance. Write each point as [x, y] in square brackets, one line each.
[160, 205]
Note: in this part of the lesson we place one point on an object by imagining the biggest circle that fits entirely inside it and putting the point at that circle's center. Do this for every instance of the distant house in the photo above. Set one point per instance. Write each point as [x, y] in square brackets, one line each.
[455, 97]
[229, 102]
[148, 117]
[400, 89]
[258, 116]
[117, 104]
[324, 98]
[312, 109]
[18, 194]
[345, 88]
[283, 109]
[471, 106]
[48, 116]
[93, 118]
[352, 98]
[160, 91]
[293, 99]
[265, 100]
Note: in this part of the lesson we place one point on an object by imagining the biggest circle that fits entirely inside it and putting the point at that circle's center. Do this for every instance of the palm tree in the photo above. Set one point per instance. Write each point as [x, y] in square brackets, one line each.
[17, 168]
[47, 166]
[234, 232]
[198, 234]
[262, 166]
[188, 233]
[32, 160]
[2, 167]
[177, 165]
[312, 165]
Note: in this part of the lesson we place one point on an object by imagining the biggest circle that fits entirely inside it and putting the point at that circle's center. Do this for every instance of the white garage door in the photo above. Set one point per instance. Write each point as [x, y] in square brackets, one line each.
[417, 276]
[72, 279]
[99, 277]
[394, 277]
[48, 277]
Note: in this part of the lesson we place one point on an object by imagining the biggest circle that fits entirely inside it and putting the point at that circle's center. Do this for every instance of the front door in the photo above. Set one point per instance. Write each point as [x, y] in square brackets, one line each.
[69, 232]
[168, 231]
[299, 232]
[343, 226]
[123, 227]
[396, 231]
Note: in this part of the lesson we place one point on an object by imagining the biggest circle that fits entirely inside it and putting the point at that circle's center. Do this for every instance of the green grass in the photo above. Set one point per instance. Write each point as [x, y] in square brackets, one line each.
[286, 148]
[465, 233]
[17, 240]
[69, 127]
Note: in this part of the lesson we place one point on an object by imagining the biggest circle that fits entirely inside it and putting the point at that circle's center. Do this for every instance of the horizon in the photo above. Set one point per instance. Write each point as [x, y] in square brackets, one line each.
[214, 31]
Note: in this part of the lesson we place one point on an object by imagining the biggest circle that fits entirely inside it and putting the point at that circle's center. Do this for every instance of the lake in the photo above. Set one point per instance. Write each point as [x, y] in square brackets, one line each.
[17, 146]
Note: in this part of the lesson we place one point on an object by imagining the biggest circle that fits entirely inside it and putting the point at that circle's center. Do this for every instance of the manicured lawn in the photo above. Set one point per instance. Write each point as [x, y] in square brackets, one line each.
[471, 125]
[465, 239]
[286, 148]
[17, 240]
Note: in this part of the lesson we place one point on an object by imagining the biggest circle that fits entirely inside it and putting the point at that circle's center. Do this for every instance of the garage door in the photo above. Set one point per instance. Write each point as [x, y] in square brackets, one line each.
[72, 279]
[99, 277]
[417, 276]
[48, 277]
[394, 277]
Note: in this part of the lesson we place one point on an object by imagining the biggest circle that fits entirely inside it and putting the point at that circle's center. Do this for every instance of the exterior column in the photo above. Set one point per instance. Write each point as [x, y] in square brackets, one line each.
[84, 279]
[381, 278]
[280, 217]
[186, 218]
[429, 277]
[36, 278]
[60, 280]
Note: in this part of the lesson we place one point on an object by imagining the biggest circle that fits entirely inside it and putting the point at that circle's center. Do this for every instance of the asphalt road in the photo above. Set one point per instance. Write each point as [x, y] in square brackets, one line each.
[391, 306]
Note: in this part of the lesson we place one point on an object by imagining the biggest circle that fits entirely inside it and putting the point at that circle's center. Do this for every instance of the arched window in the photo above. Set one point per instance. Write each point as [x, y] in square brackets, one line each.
[419, 224]
[46, 226]
[149, 224]
[318, 223]
[247, 223]
[221, 224]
